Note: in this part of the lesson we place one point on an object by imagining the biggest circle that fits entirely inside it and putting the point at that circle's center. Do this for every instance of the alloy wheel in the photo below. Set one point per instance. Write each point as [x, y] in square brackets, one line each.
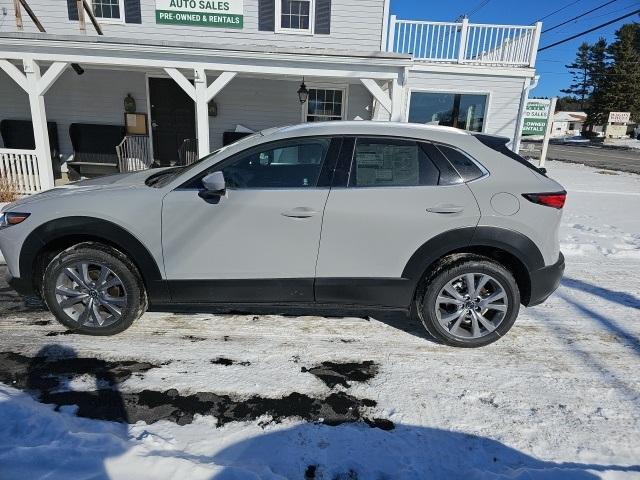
[91, 294]
[472, 305]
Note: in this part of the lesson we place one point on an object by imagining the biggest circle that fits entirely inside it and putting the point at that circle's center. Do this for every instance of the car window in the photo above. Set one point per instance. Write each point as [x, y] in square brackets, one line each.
[448, 174]
[289, 164]
[381, 162]
[466, 167]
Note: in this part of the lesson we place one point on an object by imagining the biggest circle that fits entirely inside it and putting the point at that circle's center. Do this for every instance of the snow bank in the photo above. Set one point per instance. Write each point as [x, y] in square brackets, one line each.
[624, 142]
[37, 443]
[600, 218]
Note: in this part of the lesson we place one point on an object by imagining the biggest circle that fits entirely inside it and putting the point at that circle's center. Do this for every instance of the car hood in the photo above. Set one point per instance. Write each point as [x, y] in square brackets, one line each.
[109, 182]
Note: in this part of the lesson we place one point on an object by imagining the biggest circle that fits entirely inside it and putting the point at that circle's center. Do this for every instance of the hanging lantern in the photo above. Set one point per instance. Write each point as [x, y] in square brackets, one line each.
[303, 93]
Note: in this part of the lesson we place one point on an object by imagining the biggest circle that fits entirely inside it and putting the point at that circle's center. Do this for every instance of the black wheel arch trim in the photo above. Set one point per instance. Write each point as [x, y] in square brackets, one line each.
[510, 241]
[93, 229]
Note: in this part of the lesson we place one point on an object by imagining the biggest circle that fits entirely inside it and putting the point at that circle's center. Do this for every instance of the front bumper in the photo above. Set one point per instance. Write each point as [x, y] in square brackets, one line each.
[545, 281]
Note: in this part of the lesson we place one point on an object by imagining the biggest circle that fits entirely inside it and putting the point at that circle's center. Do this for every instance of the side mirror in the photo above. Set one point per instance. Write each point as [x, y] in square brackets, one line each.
[214, 185]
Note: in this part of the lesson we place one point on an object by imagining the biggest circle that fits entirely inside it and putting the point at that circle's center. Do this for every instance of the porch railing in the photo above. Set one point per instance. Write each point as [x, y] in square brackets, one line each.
[188, 151]
[464, 42]
[20, 168]
[133, 153]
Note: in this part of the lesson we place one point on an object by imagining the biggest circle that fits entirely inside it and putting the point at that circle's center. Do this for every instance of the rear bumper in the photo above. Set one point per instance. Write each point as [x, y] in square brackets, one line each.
[23, 287]
[545, 281]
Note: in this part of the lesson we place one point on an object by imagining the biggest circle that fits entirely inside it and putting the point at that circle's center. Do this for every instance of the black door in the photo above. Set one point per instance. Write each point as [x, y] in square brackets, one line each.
[172, 119]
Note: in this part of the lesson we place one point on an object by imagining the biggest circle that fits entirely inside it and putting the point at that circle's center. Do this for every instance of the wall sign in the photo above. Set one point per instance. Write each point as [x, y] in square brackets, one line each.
[619, 117]
[536, 115]
[201, 13]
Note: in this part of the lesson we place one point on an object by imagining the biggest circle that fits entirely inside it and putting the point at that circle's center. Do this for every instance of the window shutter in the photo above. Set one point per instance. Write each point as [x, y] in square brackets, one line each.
[72, 6]
[267, 15]
[323, 17]
[132, 11]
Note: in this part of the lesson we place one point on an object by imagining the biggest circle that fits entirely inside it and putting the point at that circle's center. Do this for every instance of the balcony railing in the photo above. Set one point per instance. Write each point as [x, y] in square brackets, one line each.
[464, 42]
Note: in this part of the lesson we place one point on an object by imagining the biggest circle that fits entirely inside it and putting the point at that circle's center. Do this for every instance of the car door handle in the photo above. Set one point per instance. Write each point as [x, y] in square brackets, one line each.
[300, 212]
[446, 208]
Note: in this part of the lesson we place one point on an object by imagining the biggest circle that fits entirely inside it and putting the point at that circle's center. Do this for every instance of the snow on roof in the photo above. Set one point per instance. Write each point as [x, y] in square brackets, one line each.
[569, 117]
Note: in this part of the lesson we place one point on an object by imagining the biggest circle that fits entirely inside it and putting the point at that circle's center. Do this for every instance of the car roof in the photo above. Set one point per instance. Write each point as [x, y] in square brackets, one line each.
[368, 127]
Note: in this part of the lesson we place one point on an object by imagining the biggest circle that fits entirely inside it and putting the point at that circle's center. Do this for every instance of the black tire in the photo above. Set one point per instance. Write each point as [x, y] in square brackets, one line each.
[451, 268]
[130, 287]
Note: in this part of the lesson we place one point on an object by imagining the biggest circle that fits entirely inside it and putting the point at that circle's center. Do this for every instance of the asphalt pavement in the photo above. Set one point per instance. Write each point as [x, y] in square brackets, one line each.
[599, 157]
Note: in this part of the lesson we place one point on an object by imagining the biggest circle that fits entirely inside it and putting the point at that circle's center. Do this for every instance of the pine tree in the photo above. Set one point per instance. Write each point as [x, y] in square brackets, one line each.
[567, 104]
[623, 76]
[579, 69]
[597, 110]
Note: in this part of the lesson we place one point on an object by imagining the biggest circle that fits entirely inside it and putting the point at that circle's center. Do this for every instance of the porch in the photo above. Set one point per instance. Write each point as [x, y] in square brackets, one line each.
[215, 92]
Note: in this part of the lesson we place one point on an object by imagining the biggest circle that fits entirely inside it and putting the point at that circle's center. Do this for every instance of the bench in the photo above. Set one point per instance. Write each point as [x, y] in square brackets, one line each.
[94, 149]
[18, 134]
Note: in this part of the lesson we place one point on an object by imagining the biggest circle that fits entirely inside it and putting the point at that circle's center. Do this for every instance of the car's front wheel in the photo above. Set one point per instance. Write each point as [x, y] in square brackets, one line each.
[94, 289]
[468, 301]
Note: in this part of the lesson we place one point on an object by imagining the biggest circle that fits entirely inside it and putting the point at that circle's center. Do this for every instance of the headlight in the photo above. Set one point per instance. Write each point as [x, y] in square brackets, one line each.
[12, 218]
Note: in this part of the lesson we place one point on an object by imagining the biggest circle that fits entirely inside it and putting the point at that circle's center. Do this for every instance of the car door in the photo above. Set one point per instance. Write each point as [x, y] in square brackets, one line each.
[395, 195]
[259, 242]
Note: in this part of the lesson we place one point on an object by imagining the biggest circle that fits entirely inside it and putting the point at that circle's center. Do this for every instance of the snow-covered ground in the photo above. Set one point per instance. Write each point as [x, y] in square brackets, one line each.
[558, 397]
[625, 142]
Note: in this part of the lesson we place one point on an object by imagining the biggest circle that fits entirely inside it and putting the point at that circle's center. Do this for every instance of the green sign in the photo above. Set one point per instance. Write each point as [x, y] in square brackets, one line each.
[535, 117]
[202, 13]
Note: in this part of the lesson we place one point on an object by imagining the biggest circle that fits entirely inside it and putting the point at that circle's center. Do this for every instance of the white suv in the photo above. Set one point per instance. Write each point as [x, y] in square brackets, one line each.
[336, 217]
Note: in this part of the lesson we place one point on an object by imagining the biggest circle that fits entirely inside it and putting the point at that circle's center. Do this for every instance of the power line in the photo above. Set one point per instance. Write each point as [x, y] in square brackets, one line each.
[556, 11]
[588, 31]
[579, 16]
[479, 7]
[564, 61]
[606, 14]
[606, 74]
[475, 9]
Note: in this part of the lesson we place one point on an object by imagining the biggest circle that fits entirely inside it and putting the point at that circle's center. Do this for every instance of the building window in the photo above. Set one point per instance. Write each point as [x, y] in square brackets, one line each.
[465, 111]
[295, 16]
[108, 9]
[324, 104]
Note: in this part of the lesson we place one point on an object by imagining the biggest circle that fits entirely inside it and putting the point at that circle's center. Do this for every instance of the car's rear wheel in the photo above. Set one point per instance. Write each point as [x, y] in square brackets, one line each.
[468, 301]
[94, 289]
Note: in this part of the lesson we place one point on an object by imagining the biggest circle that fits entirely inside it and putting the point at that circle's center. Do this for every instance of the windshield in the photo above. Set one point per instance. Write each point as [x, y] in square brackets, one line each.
[167, 176]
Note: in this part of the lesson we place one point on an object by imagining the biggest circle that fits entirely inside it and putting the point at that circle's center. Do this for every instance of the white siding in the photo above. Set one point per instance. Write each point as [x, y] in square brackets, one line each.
[355, 25]
[98, 96]
[95, 97]
[504, 93]
[257, 104]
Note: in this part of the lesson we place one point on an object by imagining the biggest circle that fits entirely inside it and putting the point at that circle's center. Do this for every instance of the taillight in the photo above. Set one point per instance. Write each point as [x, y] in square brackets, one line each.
[554, 200]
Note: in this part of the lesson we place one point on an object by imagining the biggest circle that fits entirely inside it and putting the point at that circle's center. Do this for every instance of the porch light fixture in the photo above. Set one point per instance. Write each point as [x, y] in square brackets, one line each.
[303, 93]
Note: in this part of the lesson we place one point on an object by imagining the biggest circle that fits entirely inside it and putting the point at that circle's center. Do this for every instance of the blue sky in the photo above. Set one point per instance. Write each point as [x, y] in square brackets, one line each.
[550, 63]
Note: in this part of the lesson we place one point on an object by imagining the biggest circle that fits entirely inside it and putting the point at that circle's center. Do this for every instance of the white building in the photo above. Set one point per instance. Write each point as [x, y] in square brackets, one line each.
[567, 123]
[198, 69]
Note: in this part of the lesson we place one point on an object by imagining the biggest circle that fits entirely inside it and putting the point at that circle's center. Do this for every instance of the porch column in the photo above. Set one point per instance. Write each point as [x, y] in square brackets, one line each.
[201, 94]
[381, 96]
[202, 111]
[389, 99]
[396, 101]
[36, 85]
